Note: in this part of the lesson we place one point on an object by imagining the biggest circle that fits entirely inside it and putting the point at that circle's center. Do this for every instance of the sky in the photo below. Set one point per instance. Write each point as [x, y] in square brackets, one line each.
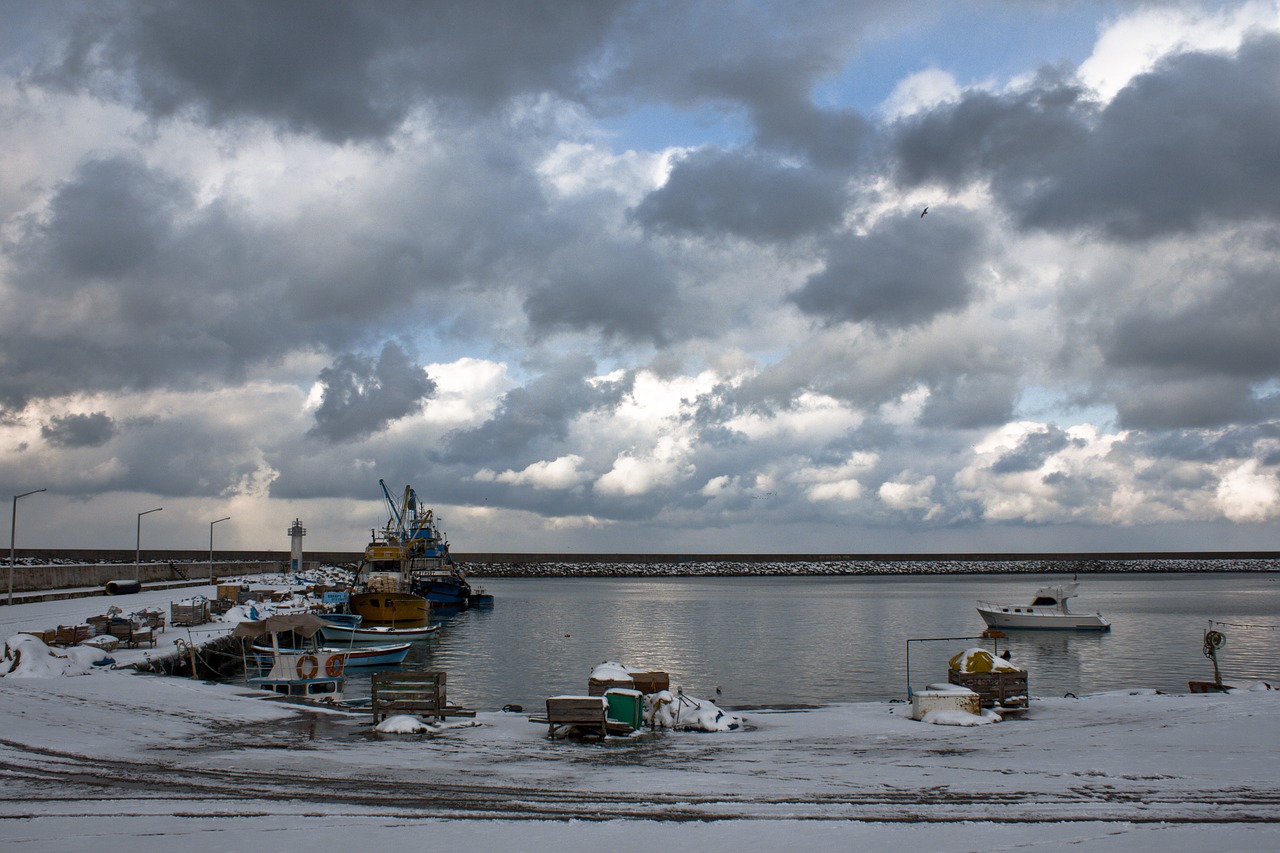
[643, 276]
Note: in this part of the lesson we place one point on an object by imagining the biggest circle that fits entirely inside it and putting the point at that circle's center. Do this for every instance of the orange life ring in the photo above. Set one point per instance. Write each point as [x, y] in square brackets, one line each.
[334, 665]
[308, 666]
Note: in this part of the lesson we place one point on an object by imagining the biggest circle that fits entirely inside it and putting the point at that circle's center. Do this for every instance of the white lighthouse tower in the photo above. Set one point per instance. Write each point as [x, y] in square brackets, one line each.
[295, 545]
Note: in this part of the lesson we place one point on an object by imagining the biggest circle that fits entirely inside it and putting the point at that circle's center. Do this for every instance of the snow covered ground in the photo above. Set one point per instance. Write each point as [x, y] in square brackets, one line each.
[112, 761]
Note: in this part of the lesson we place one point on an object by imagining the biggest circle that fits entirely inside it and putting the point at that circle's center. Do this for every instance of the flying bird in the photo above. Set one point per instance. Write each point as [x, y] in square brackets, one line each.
[923, 212]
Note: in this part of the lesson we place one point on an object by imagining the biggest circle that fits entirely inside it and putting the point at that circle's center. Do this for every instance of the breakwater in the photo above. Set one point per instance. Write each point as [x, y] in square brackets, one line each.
[833, 567]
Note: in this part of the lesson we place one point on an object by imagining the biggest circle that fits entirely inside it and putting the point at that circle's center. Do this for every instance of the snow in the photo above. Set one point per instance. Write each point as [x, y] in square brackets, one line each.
[113, 761]
[668, 710]
[961, 718]
[403, 724]
[26, 656]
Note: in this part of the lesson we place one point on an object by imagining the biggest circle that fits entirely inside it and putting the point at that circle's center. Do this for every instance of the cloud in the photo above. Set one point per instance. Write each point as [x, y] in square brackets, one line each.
[562, 473]
[713, 193]
[93, 430]
[624, 291]
[904, 271]
[344, 71]
[1167, 154]
[363, 395]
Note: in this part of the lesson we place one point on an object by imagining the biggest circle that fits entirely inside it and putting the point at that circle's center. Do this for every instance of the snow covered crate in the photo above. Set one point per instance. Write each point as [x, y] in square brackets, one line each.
[189, 614]
[1003, 690]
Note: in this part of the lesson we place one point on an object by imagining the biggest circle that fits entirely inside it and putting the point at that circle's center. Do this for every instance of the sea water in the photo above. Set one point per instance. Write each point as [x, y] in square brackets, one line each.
[788, 641]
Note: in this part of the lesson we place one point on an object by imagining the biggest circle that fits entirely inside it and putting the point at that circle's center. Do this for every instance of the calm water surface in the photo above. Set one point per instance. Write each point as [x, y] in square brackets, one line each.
[781, 641]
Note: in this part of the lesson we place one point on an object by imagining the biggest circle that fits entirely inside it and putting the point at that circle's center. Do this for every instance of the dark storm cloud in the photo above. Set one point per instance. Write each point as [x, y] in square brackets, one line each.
[127, 280]
[342, 70]
[533, 416]
[905, 271]
[110, 220]
[1190, 142]
[1007, 139]
[365, 395]
[1032, 451]
[1193, 140]
[92, 430]
[1227, 331]
[970, 402]
[762, 60]
[622, 291]
[1169, 402]
[714, 192]
[126, 283]
[1200, 446]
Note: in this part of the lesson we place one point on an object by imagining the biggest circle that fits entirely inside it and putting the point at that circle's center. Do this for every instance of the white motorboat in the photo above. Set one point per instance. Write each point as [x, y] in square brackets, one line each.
[1047, 611]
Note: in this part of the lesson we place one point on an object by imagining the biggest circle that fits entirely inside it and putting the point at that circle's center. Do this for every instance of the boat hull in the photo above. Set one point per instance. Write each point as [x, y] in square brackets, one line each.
[361, 655]
[377, 634]
[1040, 619]
[444, 593]
[390, 609]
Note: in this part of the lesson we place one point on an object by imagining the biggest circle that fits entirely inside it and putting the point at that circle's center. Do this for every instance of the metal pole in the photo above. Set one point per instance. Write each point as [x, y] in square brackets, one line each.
[13, 526]
[137, 554]
[211, 524]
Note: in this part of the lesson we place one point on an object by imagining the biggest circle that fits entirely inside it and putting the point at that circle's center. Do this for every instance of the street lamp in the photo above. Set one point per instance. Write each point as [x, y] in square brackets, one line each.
[13, 526]
[211, 524]
[137, 554]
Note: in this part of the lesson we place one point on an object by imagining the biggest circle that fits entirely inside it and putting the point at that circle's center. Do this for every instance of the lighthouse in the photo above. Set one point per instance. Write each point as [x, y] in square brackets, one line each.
[295, 545]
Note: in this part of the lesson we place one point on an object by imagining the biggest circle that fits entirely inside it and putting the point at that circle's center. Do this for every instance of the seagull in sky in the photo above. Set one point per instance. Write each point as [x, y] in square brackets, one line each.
[923, 212]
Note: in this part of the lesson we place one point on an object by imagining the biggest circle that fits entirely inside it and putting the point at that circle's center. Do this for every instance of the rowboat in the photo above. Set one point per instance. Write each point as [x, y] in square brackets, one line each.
[376, 634]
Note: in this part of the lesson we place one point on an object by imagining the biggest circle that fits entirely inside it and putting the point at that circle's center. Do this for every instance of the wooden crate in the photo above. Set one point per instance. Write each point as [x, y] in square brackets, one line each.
[70, 635]
[597, 686]
[653, 681]
[229, 591]
[188, 614]
[420, 693]
[578, 713]
[1007, 690]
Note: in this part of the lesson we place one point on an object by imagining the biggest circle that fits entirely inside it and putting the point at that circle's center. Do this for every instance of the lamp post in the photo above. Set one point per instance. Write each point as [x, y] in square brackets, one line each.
[13, 526]
[137, 554]
[211, 524]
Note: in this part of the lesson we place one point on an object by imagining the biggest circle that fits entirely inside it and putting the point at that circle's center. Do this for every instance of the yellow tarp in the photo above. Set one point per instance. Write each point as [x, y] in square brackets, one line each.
[979, 660]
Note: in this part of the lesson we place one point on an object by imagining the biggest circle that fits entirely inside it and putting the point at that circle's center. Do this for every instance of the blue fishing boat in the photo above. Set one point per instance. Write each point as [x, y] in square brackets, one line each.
[407, 569]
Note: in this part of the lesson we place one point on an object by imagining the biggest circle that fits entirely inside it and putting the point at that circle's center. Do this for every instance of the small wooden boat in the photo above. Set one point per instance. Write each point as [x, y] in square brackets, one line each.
[306, 674]
[361, 655]
[1047, 611]
[377, 634]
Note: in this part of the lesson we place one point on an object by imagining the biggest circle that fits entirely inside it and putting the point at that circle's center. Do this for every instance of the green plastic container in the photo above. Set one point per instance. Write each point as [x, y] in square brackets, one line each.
[625, 706]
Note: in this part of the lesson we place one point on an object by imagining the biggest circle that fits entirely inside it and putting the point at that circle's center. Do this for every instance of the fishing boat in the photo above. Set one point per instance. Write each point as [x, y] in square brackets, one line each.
[388, 654]
[1047, 611]
[377, 634]
[407, 569]
[301, 674]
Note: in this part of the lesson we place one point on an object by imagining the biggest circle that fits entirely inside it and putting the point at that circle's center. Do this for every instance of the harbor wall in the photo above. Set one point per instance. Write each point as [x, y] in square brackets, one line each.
[73, 576]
